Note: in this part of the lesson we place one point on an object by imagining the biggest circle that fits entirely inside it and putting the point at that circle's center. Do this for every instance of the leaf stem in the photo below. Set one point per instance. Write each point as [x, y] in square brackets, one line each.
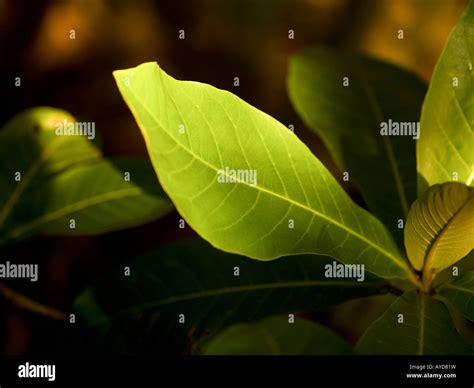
[26, 303]
[427, 278]
[414, 278]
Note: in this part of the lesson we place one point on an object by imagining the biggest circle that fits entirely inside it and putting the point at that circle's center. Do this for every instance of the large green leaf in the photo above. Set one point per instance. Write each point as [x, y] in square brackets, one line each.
[197, 135]
[461, 294]
[66, 177]
[440, 227]
[445, 150]
[414, 324]
[348, 119]
[194, 279]
[277, 336]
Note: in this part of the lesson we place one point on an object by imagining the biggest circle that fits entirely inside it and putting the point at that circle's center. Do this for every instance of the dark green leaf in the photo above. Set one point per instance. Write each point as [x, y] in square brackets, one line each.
[445, 148]
[196, 280]
[414, 324]
[276, 336]
[461, 294]
[66, 178]
[348, 119]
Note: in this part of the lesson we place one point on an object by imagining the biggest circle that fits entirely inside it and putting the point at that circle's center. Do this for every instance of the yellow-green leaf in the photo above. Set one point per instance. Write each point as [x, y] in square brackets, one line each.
[440, 227]
[198, 137]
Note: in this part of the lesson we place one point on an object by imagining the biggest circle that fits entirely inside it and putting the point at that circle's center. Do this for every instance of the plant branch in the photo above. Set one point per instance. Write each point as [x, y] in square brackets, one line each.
[26, 303]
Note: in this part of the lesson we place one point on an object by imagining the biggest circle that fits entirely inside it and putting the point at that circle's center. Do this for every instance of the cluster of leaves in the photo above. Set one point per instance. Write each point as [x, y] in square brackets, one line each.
[178, 298]
[222, 132]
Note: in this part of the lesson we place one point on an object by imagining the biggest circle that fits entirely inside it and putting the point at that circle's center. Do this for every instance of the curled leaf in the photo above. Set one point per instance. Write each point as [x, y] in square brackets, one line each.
[440, 227]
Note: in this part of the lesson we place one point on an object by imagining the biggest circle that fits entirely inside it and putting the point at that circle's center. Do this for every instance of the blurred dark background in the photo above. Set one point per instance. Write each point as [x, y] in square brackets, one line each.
[223, 39]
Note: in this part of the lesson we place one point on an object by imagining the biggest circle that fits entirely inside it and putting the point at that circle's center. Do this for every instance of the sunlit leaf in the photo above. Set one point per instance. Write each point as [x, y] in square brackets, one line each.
[198, 137]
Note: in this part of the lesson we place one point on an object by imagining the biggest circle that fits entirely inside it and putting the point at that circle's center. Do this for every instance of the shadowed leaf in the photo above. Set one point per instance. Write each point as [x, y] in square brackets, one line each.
[414, 324]
[461, 294]
[344, 98]
[276, 336]
[47, 180]
[445, 148]
[194, 279]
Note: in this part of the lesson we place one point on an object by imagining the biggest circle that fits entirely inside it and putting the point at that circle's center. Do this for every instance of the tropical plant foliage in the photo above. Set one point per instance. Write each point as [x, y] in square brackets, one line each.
[276, 218]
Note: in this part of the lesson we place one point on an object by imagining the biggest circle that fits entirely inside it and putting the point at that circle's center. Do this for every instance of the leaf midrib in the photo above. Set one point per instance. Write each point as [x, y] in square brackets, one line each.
[431, 250]
[77, 206]
[271, 341]
[400, 263]
[378, 115]
[238, 289]
[28, 177]
[458, 288]
[421, 343]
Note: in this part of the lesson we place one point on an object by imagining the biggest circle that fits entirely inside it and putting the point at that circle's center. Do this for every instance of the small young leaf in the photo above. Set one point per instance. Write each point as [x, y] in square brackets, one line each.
[211, 288]
[461, 294]
[440, 227]
[276, 336]
[346, 98]
[61, 184]
[445, 150]
[285, 201]
[415, 324]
